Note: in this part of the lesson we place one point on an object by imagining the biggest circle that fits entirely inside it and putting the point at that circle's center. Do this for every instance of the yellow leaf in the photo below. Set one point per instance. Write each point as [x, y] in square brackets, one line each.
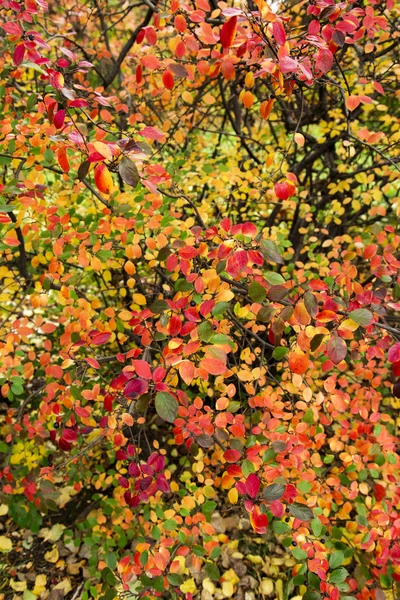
[266, 587]
[18, 586]
[5, 544]
[208, 586]
[139, 299]
[125, 315]
[40, 584]
[52, 555]
[189, 587]
[65, 585]
[233, 496]
[227, 589]
[103, 149]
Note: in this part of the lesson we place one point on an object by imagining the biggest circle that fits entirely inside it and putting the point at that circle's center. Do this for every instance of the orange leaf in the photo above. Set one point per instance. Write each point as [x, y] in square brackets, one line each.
[63, 159]
[298, 361]
[103, 179]
[266, 108]
[352, 102]
[213, 366]
[186, 371]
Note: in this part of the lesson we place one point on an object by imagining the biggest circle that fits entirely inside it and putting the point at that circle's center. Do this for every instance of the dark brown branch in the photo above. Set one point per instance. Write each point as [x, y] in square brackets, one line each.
[128, 45]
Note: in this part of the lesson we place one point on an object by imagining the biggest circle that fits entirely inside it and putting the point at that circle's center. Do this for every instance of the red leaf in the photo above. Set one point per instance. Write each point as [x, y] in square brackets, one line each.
[59, 119]
[152, 133]
[135, 387]
[142, 369]
[101, 338]
[352, 102]
[277, 508]
[228, 32]
[232, 456]
[168, 80]
[258, 520]
[279, 33]
[379, 492]
[93, 363]
[81, 412]
[12, 28]
[69, 435]
[324, 60]
[284, 190]
[19, 54]
[288, 65]
[78, 103]
[252, 485]
[394, 353]
[337, 349]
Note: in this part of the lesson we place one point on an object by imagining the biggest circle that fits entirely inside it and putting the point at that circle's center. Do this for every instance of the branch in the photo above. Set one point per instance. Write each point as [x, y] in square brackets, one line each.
[128, 45]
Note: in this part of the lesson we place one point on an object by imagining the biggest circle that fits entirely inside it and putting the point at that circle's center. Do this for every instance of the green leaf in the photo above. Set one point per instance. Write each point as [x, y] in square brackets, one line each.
[274, 278]
[205, 331]
[208, 507]
[299, 554]
[158, 584]
[257, 292]
[336, 559]
[5, 208]
[158, 307]
[111, 561]
[220, 308]
[274, 491]
[166, 407]
[338, 576]
[316, 527]
[279, 352]
[182, 285]
[301, 511]
[247, 467]
[31, 102]
[175, 579]
[4, 448]
[170, 525]
[280, 527]
[305, 486]
[213, 571]
[310, 595]
[199, 550]
[362, 316]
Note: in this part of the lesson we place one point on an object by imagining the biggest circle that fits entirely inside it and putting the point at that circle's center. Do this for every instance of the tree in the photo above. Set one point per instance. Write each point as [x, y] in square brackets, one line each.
[199, 297]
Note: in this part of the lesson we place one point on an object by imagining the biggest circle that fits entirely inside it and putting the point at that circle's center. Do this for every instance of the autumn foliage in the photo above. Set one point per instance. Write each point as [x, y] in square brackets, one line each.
[199, 299]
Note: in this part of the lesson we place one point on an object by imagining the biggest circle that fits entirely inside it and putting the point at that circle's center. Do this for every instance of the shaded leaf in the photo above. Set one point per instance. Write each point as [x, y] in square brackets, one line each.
[301, 511]
[274, 491]
[270, 252]
[128, 171]
[336, 349]
[166, 406]
[362, 316]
